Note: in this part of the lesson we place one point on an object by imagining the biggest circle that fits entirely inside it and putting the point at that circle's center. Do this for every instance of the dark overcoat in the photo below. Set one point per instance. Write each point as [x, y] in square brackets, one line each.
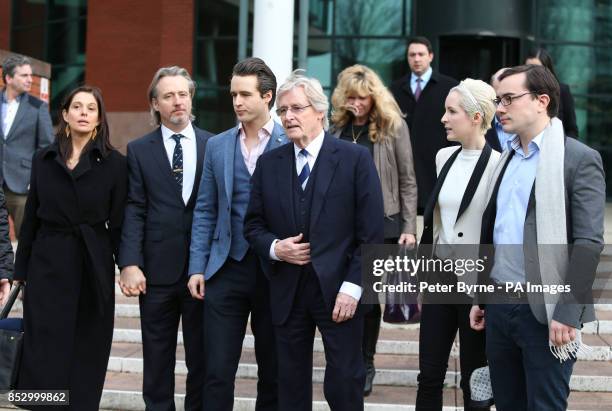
[70, 233]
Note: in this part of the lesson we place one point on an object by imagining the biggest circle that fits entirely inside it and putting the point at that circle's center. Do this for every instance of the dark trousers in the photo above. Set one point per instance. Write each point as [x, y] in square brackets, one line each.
[344, 371]
[237, 290]
[161, 309]
[439, 325]
[524, 373]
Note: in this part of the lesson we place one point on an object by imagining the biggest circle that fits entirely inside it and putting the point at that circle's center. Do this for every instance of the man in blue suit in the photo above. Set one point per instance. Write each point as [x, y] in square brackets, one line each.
[25, 126]
[223, 270]
[164, 170]
[313, 204]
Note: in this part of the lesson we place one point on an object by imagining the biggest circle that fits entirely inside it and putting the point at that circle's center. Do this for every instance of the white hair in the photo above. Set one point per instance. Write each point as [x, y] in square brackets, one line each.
[313, 90]
[477, 97]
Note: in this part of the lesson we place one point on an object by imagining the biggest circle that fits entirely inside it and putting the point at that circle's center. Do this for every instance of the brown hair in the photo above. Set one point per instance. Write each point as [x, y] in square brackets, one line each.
[540, 80]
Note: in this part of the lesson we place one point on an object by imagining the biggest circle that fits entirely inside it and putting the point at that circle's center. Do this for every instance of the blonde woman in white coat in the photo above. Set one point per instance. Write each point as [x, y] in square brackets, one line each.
[453, 217]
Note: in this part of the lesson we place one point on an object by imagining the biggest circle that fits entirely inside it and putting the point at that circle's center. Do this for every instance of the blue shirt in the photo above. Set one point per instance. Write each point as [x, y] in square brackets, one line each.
[502, 136]
[424, 80]
[512, 200]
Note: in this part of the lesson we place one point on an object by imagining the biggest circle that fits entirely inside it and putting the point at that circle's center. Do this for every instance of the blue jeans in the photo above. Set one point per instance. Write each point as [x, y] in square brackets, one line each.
[524, 373]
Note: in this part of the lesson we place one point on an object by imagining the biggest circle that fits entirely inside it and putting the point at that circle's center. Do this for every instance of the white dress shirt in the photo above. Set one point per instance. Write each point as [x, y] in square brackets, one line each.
[190, 155]
[9, 112]
[313, 150]
[250, 157]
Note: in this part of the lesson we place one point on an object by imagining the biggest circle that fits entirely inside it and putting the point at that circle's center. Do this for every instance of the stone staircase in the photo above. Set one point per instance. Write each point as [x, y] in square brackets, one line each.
[396, 363]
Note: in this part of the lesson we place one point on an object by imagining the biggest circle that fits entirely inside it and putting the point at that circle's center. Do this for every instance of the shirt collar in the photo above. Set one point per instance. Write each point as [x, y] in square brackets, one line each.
[5, 99]
[313, 148]
[534, 145]
[187, 132]
[424, 78]
[268, 128]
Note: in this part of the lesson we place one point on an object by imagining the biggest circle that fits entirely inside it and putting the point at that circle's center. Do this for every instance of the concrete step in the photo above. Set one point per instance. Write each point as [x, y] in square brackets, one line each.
[123, 392]
[392, 370]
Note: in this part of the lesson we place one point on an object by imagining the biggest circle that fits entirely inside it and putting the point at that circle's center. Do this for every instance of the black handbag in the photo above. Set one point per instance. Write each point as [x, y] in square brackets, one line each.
[11, 340]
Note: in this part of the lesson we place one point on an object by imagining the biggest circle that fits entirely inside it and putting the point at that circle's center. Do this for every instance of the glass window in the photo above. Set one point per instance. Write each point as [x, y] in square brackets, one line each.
[213, 109]
[575, 20]
[386, 57]
[321, 14]
[28, 13]
[320, 60]
[369, 17]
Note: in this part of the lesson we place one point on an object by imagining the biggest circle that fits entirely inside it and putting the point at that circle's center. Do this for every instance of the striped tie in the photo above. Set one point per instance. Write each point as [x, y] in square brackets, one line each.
[177, 160]
[305, 173]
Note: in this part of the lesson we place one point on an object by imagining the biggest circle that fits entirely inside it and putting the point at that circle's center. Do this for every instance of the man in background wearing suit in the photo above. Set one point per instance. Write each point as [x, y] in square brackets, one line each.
[314, 203]
[223, 269]
[421, 95]
[25, 126]
[164, 170]
[496, 136]
[547, 191]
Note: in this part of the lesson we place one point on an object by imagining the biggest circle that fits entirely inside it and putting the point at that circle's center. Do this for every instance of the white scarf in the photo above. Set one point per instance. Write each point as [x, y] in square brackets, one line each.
[551, 226]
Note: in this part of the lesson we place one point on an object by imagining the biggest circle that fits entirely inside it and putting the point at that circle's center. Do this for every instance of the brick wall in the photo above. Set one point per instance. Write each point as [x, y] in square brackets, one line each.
[5, 24]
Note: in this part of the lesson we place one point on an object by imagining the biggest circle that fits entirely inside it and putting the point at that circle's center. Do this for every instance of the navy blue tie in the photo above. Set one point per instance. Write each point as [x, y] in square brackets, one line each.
[177, 160]
[305, 173]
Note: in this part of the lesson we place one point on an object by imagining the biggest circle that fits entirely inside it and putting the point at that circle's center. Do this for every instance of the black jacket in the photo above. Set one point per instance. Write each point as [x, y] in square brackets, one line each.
[157, 229]
[427, 133]
[6, 250]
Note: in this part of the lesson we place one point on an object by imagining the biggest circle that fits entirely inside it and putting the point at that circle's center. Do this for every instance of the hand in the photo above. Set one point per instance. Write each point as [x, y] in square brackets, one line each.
[196, 286]
[5, 289]
[292, 251]
[560, 333]
[345, 308]
[132, 281]
[407, 239]
[477, 320]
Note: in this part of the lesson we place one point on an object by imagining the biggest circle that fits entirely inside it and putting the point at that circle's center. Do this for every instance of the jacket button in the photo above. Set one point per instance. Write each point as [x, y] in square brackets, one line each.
[460, 234]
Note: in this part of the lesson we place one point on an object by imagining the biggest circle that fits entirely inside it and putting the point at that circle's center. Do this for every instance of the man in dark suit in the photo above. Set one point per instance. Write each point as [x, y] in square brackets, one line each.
[496, 136]
[545, 217]
[223, 269]
[421, 95]
[25, 126]
[164, 170]
[314, 203]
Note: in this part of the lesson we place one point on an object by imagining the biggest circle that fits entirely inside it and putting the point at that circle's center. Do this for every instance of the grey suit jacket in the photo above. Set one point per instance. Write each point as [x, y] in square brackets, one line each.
[212, 212]
[31, 130]
[585, 197]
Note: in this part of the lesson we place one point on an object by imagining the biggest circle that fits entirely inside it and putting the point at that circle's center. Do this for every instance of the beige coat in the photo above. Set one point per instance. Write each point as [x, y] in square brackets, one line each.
[395, 167]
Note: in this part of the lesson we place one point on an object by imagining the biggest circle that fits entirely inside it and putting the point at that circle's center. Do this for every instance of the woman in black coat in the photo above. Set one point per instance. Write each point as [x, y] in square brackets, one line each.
[70, 233]
[567, 112]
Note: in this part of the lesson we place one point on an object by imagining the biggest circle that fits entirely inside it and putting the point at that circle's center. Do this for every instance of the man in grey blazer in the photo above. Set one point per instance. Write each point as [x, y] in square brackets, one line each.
[547, 192]
[223, 270]
[25, 126]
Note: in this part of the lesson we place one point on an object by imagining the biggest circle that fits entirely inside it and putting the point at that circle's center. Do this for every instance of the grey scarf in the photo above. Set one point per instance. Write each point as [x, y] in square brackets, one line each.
[550, 223]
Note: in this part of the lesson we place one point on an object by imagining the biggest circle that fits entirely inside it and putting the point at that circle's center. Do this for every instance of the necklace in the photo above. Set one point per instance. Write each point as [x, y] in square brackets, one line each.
[356, 139]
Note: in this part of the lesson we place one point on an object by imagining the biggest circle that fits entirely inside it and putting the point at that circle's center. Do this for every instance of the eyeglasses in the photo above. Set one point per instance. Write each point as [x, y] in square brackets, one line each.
[282, 111]
[507, 100]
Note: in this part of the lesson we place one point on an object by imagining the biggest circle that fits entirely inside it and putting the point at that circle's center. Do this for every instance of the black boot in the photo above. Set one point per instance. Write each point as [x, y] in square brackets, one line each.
[371, 330]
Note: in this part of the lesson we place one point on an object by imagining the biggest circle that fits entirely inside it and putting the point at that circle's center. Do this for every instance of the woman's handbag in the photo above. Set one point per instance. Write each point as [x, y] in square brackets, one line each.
[402, 308]
[11, 340]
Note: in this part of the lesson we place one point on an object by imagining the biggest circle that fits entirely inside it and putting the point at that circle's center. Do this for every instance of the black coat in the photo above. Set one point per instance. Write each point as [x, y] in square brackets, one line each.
[71, 230]
[427, 133]
[6, 250]
[157, 230]
[492, 138]
[567, 112]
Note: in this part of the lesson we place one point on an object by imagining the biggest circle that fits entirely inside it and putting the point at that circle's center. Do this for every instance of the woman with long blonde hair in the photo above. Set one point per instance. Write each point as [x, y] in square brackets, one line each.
[364, 112]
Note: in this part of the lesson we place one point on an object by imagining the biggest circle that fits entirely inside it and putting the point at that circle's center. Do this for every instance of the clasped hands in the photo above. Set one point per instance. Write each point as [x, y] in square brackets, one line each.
[293, 251]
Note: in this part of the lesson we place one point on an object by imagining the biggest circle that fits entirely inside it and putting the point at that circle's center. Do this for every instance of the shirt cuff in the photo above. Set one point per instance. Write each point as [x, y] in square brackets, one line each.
[272, 253]
[351, 289]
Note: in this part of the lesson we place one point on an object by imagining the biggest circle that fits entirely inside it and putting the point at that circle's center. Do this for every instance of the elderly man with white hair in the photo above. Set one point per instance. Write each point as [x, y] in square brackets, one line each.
[314, 202]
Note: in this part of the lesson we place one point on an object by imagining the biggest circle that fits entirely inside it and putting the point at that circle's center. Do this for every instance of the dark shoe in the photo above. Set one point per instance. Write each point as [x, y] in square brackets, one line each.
[369, 382]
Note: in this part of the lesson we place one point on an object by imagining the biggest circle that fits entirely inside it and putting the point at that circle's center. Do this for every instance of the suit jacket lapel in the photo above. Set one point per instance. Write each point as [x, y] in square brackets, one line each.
[277, 138]
[161, 157]
[427, 237]
[327, 161]
[200, 147]
[472, 186]
[229, 150]
[23, 107]
[284, 181]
